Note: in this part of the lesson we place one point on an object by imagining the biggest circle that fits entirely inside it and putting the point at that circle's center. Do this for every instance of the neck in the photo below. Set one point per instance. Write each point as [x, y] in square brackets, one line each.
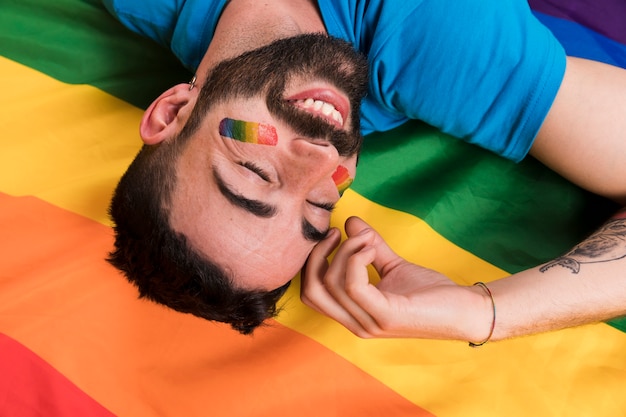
[249, 24]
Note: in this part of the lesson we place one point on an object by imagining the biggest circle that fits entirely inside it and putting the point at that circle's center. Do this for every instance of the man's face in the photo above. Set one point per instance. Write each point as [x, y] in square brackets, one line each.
[278, 142]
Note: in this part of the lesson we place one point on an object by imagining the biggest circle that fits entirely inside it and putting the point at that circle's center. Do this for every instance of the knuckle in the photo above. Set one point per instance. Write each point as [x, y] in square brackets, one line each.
[363, 334]
[385, 324]
[373, 329]
[328, 285]
[305, 299]
[352, 289]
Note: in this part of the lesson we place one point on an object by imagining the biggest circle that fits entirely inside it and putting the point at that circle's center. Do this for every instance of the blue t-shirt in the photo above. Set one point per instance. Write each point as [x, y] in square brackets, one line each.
[485, 71]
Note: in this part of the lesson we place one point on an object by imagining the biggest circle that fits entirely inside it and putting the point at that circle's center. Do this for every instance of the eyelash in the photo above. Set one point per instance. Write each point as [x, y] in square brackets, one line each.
[325, 206]
[254, 168]
[257, 170]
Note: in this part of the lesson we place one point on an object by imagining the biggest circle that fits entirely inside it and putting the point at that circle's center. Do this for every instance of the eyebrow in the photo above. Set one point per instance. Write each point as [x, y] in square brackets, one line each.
[264, 210]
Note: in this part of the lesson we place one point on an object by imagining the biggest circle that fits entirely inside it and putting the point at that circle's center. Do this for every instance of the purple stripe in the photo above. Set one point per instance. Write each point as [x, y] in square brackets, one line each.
[580, 41]
[607, 17]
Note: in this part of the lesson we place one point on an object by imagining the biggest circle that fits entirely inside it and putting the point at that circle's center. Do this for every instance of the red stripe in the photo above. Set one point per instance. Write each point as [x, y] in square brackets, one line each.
[29, 387]
[60, 299]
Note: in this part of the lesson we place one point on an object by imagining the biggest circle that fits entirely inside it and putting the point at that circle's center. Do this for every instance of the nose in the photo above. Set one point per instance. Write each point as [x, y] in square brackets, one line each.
[310, 160]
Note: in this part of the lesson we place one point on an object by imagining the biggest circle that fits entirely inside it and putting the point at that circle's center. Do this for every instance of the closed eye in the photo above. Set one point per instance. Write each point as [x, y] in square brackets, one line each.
[325, 206]
[256, 169]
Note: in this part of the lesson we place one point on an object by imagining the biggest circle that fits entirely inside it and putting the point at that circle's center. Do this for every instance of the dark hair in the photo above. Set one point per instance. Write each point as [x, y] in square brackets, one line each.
[160, 262]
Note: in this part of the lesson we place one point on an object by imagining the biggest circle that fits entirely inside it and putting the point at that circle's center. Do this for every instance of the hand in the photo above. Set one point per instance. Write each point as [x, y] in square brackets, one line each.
[409, 300]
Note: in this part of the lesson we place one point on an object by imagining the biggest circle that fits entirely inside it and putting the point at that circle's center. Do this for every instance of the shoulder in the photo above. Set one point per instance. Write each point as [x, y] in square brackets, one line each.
[185, 27]
[156, 22]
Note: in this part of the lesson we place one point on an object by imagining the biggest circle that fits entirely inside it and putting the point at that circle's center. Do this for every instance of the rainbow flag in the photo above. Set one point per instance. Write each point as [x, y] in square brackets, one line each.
[75, 340]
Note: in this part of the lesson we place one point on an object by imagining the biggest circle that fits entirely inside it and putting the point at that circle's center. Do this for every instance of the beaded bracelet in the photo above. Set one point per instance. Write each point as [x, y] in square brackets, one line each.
[493, 323]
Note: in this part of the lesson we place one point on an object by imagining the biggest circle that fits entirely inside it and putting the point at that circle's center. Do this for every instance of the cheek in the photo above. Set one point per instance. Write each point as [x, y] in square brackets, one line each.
[288, 257]
[249, 132]
[274, 268]
[288, 268]
[342, 179]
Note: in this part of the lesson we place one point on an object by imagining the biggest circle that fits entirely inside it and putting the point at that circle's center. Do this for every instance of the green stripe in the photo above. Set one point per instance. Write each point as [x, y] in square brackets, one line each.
[480, 202]
[441, 180]
[86, 46]
[514, 216]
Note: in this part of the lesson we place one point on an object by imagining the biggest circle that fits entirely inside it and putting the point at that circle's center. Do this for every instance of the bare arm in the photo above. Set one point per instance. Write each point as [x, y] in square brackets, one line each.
[583, 138]
[585, 286]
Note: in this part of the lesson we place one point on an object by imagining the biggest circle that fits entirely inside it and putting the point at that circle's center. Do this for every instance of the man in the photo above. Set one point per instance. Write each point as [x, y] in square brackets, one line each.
[252, 164]
[247, 208]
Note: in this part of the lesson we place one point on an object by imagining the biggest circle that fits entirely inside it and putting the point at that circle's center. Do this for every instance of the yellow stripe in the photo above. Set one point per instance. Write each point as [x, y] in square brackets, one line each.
[68, 145]
[577, 371]
[65, 144]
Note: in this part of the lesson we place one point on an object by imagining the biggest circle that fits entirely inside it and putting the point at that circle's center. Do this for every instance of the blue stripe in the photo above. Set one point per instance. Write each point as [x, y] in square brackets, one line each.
[583, 42]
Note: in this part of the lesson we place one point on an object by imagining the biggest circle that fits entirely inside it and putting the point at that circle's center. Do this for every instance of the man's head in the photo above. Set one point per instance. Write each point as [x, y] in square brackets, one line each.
[236, 183]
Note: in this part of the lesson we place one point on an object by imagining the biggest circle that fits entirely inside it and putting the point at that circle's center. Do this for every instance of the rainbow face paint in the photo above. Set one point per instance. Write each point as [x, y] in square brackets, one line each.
[249, 132]
[342, 179]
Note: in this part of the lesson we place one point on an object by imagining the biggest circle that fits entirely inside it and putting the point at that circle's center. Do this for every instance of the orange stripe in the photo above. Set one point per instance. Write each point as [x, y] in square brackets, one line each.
[578, 371]
[59, 298]
[66, 144]
[36, 389]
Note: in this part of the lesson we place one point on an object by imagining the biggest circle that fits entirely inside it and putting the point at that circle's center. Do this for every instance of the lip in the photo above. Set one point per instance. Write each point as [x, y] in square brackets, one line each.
[338, 100]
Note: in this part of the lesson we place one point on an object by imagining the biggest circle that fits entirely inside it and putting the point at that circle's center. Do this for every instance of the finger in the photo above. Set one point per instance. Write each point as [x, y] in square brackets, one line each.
[367, 297]
[357, 281]
[317, 262]
[368, 304]
[355, 225]
[325, 247]
[314, 292]
[334, 277]
[385, 256]
[315, 268]
[354, 254]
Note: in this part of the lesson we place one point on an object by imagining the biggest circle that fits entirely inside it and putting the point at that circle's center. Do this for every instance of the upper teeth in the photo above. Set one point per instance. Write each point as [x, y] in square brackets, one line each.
[323, 107]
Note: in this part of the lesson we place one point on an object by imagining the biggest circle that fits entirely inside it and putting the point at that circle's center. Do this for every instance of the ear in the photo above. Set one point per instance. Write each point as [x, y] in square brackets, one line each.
[167, 114]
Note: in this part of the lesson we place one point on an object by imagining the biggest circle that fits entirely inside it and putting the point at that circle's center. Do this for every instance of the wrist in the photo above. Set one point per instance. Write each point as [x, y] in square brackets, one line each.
[483, 318]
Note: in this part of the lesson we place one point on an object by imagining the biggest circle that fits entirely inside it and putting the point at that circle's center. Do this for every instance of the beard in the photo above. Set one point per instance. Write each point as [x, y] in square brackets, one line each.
[266, 72]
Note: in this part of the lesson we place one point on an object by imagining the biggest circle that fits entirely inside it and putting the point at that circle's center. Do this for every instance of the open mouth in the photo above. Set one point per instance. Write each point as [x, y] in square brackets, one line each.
[323, 103]
[322, 109]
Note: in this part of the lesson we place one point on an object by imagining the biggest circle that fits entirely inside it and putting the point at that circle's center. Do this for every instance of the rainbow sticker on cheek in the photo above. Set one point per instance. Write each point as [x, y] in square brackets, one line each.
[249, 132]
[342, 179]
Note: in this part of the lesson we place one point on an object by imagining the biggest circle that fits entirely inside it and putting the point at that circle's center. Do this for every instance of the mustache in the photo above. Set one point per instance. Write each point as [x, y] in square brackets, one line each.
[347, 143]
[264, 72]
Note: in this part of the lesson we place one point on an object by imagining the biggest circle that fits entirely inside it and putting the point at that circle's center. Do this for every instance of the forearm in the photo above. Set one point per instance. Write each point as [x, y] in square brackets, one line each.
[586, 285]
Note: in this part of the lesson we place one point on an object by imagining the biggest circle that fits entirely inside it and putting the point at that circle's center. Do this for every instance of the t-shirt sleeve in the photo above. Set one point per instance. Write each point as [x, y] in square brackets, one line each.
[484, 71]
[156, 20]
[185, 27]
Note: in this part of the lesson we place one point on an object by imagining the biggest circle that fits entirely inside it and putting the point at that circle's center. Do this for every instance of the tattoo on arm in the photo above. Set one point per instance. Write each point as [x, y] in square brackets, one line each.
[606, 244]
